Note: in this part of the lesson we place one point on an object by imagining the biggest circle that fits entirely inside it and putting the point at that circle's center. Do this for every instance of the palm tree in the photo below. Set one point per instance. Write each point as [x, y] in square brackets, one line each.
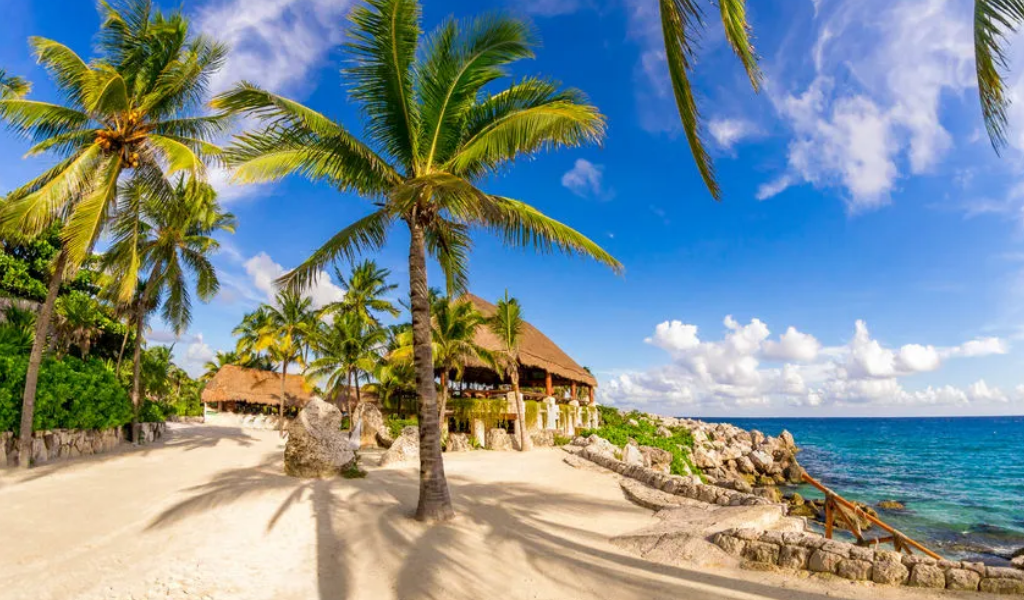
[77, 320]
[681, 21]
[433, 135]
[347, 348]
[249, 332]
[219, 361]
[507, 325]
[174, 242]
[391, 381]
[134, 109]
[366, 291]
[12, 86]
[453, 334]
[287, 326]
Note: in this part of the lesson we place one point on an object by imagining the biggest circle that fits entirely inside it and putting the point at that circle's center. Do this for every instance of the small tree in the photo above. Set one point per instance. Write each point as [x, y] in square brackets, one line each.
[507, 325]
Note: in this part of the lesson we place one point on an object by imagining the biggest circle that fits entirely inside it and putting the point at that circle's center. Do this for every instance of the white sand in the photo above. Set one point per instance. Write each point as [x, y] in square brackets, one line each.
[208, 514]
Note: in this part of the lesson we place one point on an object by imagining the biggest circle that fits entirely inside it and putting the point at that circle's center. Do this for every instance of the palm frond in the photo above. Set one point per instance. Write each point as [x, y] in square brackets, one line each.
[450, 244]
[679, 22]
[737, 31]
[12, 86]
[178, 156]
[368, 233]
[459, 62]
[38, 121]
[994, 22]
[71, 74]
[520, 225]
[87, 218]
[37, 205]
[384, 35]
[531, 116]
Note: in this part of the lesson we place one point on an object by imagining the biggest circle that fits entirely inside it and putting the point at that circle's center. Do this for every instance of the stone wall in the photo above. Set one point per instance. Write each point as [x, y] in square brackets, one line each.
[602, 452]
[803, 551]
[61, 444]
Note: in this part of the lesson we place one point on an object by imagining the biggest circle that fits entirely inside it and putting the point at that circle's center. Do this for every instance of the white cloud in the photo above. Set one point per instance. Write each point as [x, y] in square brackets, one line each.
[275, 43]
[729, 372]
[896, 61]
[585, 179]
[228, 191]
[728, 132]
[774, 188]
[197, 354]
[263, 271]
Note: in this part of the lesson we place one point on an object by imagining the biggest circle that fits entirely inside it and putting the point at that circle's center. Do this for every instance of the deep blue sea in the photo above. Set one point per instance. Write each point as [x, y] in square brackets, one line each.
[962, 479]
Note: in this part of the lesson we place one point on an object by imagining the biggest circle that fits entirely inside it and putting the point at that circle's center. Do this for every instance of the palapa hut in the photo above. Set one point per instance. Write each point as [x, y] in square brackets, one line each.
[234, 387]
[542, 364]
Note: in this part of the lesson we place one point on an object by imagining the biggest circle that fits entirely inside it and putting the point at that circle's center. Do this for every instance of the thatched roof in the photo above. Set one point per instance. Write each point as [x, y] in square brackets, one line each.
[537, 351]
[233, 383]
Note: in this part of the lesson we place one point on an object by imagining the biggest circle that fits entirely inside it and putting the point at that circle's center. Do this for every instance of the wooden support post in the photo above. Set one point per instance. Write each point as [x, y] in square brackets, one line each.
[591, 395]
[549, 388]
[829, 516]
[573, 390]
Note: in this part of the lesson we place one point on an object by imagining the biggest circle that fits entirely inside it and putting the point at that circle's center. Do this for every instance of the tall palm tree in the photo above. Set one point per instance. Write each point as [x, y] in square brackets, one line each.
[507, 324]
[12, 86]
[249, 332]
[682, 22]
[366, 291]
[453, 344]
[433, 135]
[284, 333]
[347, 348]
[135, 109]
[173, 242]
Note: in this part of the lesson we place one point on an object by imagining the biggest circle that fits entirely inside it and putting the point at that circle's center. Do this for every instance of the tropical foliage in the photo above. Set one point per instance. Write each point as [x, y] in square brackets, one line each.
[433, 134]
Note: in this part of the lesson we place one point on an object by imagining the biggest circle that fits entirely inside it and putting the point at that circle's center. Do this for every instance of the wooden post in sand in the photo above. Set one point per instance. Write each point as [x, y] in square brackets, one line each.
[549, 387]
[573, 391]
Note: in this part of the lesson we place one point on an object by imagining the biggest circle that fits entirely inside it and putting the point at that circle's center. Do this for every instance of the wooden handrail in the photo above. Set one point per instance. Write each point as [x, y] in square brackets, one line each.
[834, 503]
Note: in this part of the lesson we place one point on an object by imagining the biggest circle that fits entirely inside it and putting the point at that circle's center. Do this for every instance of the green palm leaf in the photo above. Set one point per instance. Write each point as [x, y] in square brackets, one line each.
[994, 22]
[737, 31]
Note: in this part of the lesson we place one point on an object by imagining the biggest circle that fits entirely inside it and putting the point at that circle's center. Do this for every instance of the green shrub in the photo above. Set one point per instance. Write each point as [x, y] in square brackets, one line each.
[71, 394]
[152, 412]
[395, 425]
[617, 430]
[562, 440]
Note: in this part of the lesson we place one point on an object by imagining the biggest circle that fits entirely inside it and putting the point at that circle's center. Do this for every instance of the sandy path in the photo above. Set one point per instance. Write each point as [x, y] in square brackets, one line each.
[207, 514]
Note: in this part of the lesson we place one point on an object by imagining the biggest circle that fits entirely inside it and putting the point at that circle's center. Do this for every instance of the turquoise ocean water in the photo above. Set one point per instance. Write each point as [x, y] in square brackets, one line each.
[962, 479]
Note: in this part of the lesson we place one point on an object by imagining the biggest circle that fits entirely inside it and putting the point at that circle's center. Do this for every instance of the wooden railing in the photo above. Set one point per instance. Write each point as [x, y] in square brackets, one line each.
[838, 507]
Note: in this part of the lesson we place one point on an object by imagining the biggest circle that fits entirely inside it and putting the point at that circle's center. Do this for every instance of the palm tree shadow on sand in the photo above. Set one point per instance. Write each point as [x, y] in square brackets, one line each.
[503, 539]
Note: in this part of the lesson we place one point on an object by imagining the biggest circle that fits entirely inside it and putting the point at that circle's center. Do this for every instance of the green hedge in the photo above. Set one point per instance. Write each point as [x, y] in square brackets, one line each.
[72, 394]
[616, 428]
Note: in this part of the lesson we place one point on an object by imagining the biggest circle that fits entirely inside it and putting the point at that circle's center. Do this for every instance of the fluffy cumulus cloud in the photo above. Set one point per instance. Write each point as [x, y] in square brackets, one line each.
[729, 132]
[749, 366]
[585, 179]
[275, 43]
[871, 110]
[263, 272]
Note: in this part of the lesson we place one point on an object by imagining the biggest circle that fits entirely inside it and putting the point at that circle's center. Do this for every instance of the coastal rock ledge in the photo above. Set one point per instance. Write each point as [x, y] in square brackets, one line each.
[811, 552]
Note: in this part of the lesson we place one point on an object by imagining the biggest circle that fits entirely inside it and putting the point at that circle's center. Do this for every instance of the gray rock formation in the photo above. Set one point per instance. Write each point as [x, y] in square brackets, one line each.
[405, 448]
[372, 424]
[498, 439]
[458, 442]
[316, 445]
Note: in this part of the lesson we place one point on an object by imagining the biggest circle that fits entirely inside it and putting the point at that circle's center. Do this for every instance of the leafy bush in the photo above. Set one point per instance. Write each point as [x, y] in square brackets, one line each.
[562, 440]
[72, 394]
[152, 412]
[618, 430]
[395, 425]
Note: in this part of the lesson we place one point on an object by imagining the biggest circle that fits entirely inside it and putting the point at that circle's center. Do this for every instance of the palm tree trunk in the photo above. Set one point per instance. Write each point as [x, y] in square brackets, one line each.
[348, 397]
[137, 370]
[280, 410]
[442, 403]
[35, 359]
[359, 398]
[525, 443]
[435, 503]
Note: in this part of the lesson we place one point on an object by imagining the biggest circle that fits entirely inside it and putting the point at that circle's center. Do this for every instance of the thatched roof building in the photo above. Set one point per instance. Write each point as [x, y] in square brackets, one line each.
[542, 362]
[237, 384]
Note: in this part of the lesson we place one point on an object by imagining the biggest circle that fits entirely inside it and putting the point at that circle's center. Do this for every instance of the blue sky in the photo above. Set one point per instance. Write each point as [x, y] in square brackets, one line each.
[864, 206]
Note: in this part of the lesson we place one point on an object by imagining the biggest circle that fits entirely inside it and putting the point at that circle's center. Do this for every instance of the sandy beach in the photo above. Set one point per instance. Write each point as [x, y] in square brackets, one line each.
[207, 513]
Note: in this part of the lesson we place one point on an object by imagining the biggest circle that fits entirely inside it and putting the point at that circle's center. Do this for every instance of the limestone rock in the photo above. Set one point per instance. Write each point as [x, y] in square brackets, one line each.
[372, 422]
[405, 448]
[1018, 561]
[824, 562]
[892, 505]
[857, 570]
[927, 576]
[545, 438]
[762, 552]
[664, 432]
[316, 445]
[787, 439]
[962, 579]
[458, 442]
[498, 439]
[794, 557]
[889, 568]
[631, 455]
[998, 585]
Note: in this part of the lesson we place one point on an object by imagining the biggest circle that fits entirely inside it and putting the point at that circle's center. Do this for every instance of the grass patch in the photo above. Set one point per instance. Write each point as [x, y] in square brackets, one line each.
[617, 429]
[562, 440]
[396, 425]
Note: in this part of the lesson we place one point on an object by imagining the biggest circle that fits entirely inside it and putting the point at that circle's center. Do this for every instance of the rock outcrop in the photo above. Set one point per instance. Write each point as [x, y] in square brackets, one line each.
[498, 439]
[458, 442]
[405, 448]
[316, 445]
[372, 425]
